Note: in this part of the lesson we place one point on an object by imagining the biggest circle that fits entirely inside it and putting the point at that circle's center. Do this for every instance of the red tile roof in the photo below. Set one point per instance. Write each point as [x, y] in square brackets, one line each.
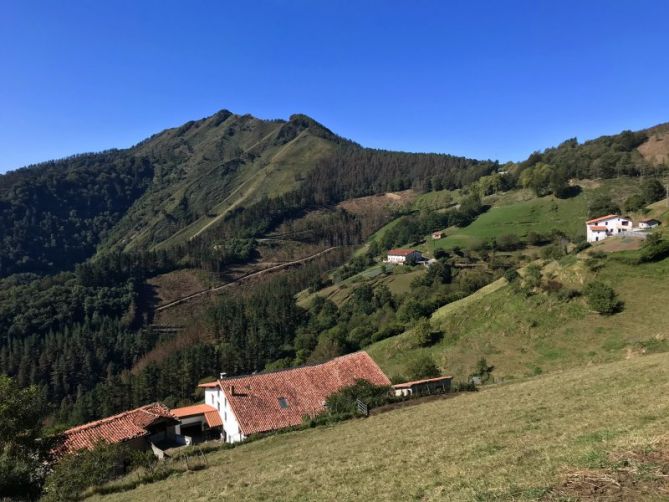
[599, 228]
[401, 252]
[115, 429]
[211, 415]
[255, 398]
[189, 411]
[407, 385]
[602, 218]
[213, 418]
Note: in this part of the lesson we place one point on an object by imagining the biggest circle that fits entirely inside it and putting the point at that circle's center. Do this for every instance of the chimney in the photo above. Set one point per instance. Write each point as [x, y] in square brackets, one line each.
[222, 375]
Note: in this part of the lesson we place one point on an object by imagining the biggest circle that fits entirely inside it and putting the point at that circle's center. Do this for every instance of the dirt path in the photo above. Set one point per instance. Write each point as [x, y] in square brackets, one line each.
[243, 278]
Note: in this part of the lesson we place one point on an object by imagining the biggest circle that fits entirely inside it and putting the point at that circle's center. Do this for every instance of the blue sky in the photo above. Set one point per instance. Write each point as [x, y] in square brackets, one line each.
[494, 79]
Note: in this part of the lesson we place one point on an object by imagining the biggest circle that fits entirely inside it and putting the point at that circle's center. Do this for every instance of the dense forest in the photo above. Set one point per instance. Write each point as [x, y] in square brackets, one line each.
[54, 215]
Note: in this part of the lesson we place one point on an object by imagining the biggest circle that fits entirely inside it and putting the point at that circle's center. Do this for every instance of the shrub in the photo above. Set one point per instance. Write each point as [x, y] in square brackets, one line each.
[602, 298]
[535, 239]
[387, 332]
[343, 402]
[581, 246]
[532, 278]
[483, 370]
[422, 367]
[511, 275]
[552, 286]
[552, 252]
[423, 335]
[508, 242]
[74, 473]
[655, 249]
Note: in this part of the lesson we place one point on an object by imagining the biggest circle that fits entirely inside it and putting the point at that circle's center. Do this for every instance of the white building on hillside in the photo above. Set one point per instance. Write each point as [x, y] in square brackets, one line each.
[402, 256]
[606, 226]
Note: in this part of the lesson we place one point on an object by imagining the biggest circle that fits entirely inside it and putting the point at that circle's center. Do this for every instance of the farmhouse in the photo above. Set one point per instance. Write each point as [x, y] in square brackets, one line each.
[138, 428]
[402, 256]
[606, 226]
[647, 224]
[275, 400]
[427, 386]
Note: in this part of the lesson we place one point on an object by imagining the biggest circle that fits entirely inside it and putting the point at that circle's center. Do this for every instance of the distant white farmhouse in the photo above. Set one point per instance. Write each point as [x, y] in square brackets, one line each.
[402, 256]
[606, 226]
[648, 224]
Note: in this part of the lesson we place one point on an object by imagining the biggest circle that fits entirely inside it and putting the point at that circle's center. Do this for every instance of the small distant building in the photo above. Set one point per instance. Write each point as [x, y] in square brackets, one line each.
[437, 235]
[402, 256]
[420, 387]
[265, 402]
[610, 225]
[646, 224]
[138, 428]
[198, 422]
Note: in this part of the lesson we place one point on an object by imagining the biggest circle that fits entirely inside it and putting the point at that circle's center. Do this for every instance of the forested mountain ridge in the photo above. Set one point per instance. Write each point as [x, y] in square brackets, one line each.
[207, 181]
[206, 168]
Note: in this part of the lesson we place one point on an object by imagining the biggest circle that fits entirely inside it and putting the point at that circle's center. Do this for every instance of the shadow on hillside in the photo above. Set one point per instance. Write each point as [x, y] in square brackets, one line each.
[571, 192]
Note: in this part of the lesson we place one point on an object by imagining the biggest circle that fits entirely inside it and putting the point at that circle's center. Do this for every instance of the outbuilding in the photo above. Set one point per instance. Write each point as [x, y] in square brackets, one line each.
[420, 387]
[651, 223]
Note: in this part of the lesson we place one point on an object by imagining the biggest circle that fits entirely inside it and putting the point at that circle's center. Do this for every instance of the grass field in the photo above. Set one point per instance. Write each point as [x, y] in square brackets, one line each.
[522, 441]
[524, 336]
[520, 212]
[538, 215]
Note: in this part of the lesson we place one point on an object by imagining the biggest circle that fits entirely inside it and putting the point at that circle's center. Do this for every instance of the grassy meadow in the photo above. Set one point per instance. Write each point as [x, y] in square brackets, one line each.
[519, 441]
[523, 336]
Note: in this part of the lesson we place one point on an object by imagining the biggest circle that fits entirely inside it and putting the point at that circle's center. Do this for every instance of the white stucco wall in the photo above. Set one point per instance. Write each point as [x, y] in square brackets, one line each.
[215, 397]
[614, 226]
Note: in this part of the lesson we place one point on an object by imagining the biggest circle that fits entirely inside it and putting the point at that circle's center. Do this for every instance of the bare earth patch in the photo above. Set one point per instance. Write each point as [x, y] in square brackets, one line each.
[615, 244]
[364, 204]
[656, 149]
[634, 475]
[168, 287]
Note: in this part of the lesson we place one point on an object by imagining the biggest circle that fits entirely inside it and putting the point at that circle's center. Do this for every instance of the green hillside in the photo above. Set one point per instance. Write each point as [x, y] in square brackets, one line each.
[529, 440]
[522, 335]
[207, 168]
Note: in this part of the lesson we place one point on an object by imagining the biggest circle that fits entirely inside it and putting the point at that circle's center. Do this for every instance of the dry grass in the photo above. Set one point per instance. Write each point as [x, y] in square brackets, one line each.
[508, 442]
[173, 285]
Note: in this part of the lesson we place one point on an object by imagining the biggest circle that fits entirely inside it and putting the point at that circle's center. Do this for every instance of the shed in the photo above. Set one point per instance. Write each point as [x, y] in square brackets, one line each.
[427, 386]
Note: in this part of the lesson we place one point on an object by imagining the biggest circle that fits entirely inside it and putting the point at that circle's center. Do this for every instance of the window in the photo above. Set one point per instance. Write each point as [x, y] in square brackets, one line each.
[283, 402]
